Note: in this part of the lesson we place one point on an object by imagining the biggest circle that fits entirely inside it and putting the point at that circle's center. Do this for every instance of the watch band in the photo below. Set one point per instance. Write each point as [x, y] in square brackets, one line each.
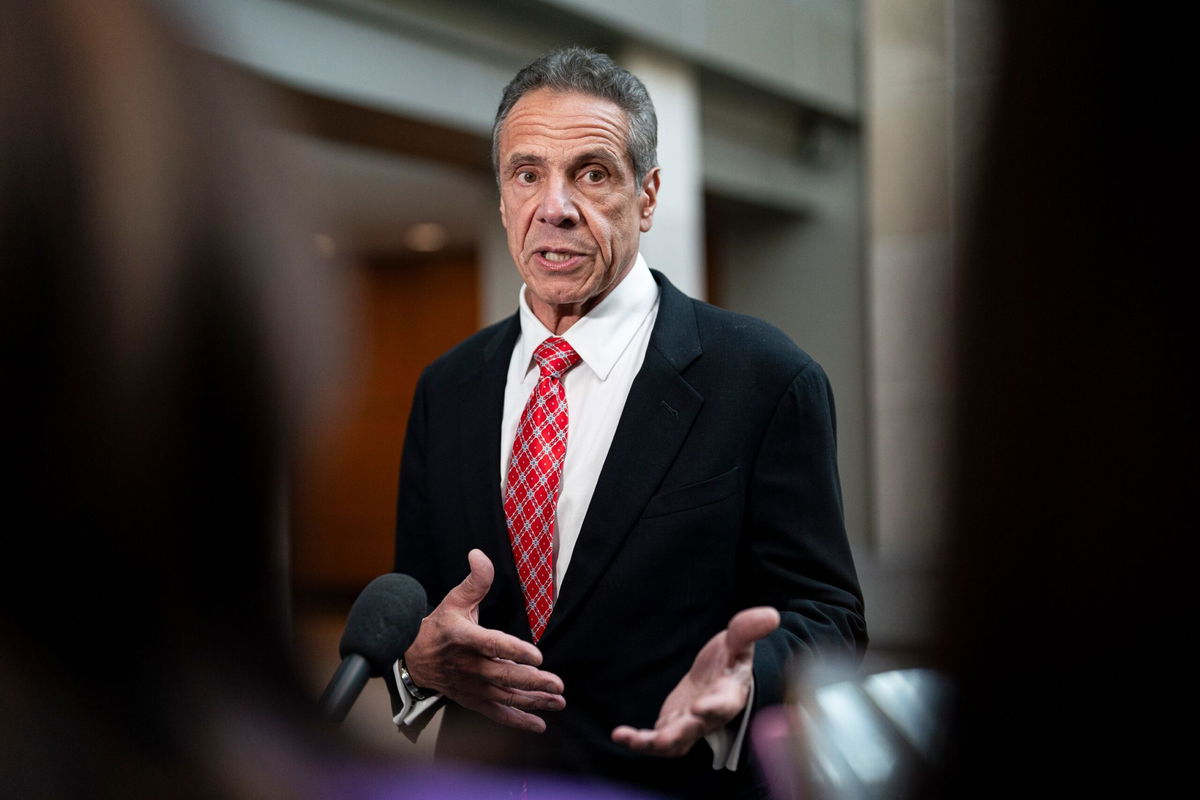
[410, 687]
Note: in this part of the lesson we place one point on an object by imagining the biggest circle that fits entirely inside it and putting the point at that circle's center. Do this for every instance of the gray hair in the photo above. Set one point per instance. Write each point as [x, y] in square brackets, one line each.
[576, 69]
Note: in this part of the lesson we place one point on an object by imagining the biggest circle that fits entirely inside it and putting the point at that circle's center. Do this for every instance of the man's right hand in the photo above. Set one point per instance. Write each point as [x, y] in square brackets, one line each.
[479, 668]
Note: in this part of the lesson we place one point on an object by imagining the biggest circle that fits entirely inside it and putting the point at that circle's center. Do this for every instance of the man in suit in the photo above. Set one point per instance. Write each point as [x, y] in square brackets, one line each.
[641, 489]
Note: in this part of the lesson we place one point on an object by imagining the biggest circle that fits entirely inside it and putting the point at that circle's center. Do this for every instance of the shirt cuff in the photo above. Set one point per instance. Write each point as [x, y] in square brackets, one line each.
[412, 709]
[726, 743]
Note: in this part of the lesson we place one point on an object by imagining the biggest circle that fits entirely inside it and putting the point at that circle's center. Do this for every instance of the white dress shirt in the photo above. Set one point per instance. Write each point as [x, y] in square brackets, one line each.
[611, 340]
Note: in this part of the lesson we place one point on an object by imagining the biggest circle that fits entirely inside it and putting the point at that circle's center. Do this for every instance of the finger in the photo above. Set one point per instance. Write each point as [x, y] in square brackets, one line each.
[638, 739]
[506, 715]
[525, 701]
[491, 643]
[748, 626]
[672, 740]
[519, 676]
[475, 586]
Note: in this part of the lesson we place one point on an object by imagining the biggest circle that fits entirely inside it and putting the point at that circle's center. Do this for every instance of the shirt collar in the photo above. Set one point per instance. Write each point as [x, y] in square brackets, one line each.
[603, 334]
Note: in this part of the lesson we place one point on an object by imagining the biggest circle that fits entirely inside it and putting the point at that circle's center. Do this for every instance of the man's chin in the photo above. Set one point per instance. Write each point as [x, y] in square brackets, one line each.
[558, 289]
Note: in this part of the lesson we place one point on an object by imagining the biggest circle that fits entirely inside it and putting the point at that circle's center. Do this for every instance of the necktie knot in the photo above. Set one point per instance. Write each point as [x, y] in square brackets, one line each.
[555, 356]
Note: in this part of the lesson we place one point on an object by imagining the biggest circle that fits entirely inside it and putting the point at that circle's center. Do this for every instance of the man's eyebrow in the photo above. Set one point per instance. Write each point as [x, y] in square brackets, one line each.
[603, 156]
[518, 159]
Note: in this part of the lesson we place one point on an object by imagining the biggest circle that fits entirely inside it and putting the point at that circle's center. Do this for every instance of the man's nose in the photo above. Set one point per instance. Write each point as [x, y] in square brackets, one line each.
[557, 204]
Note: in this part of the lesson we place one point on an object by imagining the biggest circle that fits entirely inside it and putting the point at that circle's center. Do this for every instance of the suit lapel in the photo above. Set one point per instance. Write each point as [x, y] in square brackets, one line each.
[481, 400]
[654, 424]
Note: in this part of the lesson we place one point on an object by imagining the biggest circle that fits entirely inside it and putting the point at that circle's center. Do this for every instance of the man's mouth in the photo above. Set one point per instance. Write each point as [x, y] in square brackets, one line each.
[553, 258]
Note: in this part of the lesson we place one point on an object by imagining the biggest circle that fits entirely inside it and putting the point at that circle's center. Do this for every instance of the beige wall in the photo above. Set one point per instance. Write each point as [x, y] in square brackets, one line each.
[928, 68]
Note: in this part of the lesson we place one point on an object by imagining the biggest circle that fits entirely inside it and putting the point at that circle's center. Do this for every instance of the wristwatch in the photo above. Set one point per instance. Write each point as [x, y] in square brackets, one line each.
[417, 692]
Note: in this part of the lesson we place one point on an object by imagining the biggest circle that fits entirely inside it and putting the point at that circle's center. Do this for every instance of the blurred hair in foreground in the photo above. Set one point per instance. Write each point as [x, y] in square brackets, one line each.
[1076, 441]
[163, 335]
[166, 337]
[1061, 658]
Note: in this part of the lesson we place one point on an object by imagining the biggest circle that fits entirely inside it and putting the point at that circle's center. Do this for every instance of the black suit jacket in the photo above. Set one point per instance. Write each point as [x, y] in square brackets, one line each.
[720, 492]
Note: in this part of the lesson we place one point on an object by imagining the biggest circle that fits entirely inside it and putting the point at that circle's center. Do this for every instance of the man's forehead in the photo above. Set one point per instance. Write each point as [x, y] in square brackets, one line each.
[561, 118]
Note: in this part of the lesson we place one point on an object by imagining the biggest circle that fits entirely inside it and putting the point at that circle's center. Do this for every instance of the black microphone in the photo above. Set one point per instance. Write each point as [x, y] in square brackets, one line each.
[382, 624]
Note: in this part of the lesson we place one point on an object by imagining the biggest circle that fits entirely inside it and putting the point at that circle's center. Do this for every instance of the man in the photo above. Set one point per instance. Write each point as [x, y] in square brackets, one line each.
[620, 469]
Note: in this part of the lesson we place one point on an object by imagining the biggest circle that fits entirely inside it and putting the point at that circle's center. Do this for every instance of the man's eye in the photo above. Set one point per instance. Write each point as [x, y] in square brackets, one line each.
[594, 175]
[526, 176]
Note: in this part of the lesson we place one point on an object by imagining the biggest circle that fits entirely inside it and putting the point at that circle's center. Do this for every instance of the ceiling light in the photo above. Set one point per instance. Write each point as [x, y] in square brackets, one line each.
[426, 237]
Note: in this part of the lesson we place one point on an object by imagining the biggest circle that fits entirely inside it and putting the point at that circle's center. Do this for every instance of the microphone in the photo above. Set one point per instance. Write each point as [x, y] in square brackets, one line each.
[383, 622]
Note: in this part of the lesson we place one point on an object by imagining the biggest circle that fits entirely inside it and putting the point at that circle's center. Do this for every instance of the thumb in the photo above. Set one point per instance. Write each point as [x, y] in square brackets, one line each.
[475, 586]
[748, 626]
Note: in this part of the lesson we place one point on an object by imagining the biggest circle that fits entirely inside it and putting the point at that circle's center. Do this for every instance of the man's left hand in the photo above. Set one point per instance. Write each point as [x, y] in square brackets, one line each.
[713, 692]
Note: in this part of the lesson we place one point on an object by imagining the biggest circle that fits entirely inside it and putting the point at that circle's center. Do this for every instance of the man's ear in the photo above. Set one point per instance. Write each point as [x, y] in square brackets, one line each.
[503, 215]
[649, 198]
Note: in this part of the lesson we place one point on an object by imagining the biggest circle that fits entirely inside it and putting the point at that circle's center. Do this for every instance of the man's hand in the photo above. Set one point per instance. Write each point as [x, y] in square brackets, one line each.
[713, 692]
[481, 669]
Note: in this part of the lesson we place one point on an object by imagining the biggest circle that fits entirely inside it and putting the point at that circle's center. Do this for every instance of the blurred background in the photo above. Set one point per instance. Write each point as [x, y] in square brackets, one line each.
[816, 155]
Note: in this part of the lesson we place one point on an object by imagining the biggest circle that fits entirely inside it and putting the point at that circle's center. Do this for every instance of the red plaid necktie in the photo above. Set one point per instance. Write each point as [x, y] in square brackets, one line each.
[534, 479]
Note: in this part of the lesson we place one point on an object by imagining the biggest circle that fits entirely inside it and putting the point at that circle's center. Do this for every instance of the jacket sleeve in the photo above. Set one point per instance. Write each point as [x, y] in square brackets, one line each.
[413, 555]
[795, 555]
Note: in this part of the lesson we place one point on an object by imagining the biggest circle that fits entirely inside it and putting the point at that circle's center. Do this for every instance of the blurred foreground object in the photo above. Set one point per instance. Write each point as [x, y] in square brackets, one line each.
[381, 625]
[165, 334]
[856, 739]
[1065, 626]
[1076, 454]
[167, 339]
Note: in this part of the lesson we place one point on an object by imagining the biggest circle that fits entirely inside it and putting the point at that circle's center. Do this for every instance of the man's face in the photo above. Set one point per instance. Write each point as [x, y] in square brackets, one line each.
[570, 202]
